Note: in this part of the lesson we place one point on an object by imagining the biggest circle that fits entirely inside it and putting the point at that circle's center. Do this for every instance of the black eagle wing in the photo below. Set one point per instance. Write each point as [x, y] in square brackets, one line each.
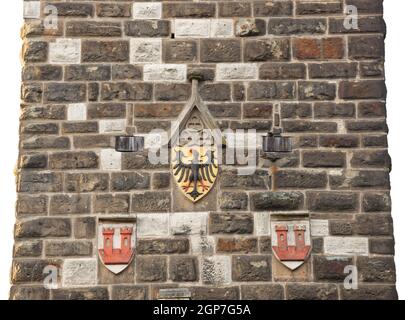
[181, 168]
[207, 168]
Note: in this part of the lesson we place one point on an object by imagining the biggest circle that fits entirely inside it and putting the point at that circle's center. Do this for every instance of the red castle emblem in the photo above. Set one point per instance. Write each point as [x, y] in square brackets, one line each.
[294, 251]
[116, 258]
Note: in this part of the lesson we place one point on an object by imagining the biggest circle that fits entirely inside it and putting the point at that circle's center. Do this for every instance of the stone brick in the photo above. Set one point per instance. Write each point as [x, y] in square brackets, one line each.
[79, 272]
[220, 50]
[331, 268]
[332, 201]
[146, 51]
[236, 9]
[151, 202]
[333, 70]
[364, 25]
[113, 10]
[372, 109]
[80, 127]
[147, 28]
[34, 161]
[215, 92]
[27, 249]
[371, 292]
[251, 268]
[233, 201]
[236, 71]
[152, 225]
[65, 51]
[182, 224]
[282, 71]
[332, 110]
[362, 90]
[151, 269]
[236, 245]
[93, 141]
[189, 10]
[35, 51]
[371, 159]
[299, 179]
[127, 292]
[263, 292]
[29, 293]
[216, 270]
[39, 182]
[314, 8]
[106, 110]
[31, 93]
[270, 90]
[282, 273]
[277, 201]
[286, 26]
[69, 204]
[94, 293]
[316, 91]
[346, 246]
[222, 28]
[267, 50]
[108, 203]
[312, 292]
[42, 73]
[68, 248]
[87, 73]
[161, 180]
[148, 10]
[130, 181]
[84, 228]
[126, 72]
[93, 29]
[51, 112]
[183, 269]
[163, 246]
[273, 9]
[375, 141]
[212, 293]
[231, 223]
[105, 51]
[73, 160]
[65, 92]
[384, 246]
[372, 69]
[374, 225]
[125, 91]
[86, 182]
[366, 47]
[376, 269]
[179, 51]
[32, 205]
[323, 159]
[339, 141]
[364, 126]
[341, 228]
[376, 202]
[165, 72]
[31, 270]
[192, 28]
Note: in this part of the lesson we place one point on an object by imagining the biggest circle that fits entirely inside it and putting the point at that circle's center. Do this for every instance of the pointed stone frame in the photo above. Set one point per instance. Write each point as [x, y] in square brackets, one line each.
[196, 102]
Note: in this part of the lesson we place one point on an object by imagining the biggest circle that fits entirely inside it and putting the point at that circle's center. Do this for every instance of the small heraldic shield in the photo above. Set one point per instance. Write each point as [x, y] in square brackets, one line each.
[116, 244]
[291, 242]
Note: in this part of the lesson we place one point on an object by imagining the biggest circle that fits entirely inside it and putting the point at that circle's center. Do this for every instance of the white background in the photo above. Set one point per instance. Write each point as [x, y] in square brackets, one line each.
[10, 69]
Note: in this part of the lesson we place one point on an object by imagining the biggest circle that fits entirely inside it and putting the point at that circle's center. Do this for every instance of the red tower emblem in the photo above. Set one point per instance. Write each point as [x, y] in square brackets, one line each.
[291, 244]
[116, 246]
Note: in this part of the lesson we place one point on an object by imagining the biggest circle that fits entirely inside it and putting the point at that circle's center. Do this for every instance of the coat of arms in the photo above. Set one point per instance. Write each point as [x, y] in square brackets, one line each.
[291, 242]
[116, 244]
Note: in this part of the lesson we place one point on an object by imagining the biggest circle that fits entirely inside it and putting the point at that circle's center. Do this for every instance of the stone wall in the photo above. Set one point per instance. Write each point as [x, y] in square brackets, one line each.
[109, 68]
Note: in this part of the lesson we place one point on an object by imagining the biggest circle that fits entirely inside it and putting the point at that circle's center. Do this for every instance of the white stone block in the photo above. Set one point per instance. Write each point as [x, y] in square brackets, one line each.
[262, 223]
[32, 9]
[146, 50]
[77, 112]
[111, 126]
[221, 28]
[192, 28]
[216, 270]
[189, 223]
[110, 159]
[147, 10]
[202, 245]
[346, 245]
[319, 228]
[65, 51]
[79, 272]
[152, 225]
[165, 72]
[236, 71]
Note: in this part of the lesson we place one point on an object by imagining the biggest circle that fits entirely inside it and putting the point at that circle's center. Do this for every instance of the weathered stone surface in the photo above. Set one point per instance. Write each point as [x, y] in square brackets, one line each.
[84, 228]
[312, 292]
[378, 269]
[183, 269]
[212, 293]
[231, 223]
[234, 201]
[93, 293]
[86, 182]
[220, 50]
[147, 28]
[267, 50]
[130, 181]
[216, 270]
[277, 201]
[32, 205]
[151, 202]
[332, 201]
[127, 292]
[29, 293]
[163, 246]
[371, 292]
[43, 227]
[251, 268]
[27, 249]
[236, 245]
[262, 292]
[331, 268]
[105, 51]
[300, 179]
[68, 248]
[31, 270]
[151, 269]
